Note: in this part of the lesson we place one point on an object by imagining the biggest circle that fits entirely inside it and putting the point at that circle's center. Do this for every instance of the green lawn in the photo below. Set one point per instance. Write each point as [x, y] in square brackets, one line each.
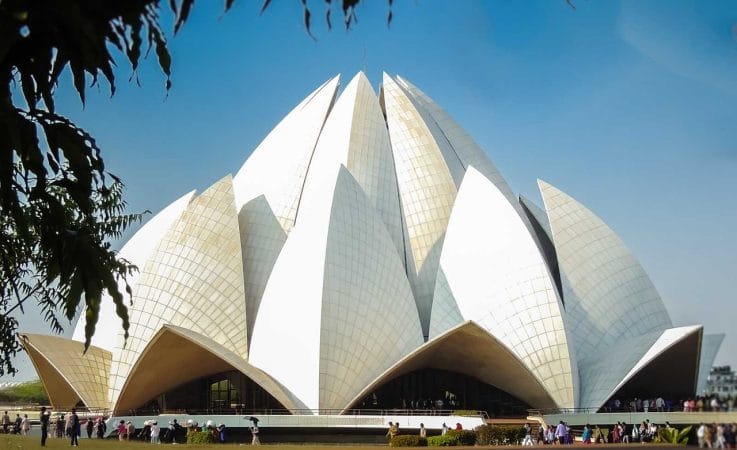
[8, 442]
[12, 442]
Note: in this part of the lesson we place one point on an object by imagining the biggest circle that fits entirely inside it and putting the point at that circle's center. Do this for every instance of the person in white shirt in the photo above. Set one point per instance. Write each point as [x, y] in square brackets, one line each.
[155, 432]
[720, 436]
[25, 425]
[700, 435]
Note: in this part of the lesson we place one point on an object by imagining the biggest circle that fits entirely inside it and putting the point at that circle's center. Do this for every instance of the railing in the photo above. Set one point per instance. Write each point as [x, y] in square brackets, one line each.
[305, 412]
[604, 410]
[546, 411]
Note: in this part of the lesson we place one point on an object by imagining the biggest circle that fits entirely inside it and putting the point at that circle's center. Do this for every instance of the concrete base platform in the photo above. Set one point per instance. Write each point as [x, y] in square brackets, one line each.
[310, 428]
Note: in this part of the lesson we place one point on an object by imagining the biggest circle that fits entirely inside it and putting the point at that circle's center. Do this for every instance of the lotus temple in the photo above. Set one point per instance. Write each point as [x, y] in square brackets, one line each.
[369, 255]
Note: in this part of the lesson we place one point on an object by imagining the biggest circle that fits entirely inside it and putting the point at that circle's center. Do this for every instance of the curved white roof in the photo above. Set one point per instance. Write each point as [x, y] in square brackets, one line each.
[194, 279]
[498, 278]
[604, 284]
[709, 349]
[137, 251]
[427, 189]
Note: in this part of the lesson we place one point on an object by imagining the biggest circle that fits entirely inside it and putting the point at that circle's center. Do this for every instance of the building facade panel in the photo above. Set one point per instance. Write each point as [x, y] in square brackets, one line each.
[427, 191]
[500, 280]
[603, 283]
[194, 279]
[137, 250]
[464, 146]
[369, 320]
[278, 166]
[85, 373]
[709, 348]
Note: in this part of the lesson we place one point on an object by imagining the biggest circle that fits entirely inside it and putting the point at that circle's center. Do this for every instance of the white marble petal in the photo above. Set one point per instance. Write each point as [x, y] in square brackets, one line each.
[709, 348]
[500, 280]
[194, 279]
[137, 250]
[606, 290]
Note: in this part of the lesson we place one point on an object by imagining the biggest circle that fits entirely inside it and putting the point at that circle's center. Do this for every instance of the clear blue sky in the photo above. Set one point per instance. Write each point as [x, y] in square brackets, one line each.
[631, 107]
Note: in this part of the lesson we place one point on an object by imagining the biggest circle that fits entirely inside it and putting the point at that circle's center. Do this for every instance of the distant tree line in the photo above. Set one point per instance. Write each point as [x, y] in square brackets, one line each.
[25, 393]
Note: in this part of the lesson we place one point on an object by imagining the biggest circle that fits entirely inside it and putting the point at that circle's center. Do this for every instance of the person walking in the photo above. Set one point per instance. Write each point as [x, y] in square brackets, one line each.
[75, 428]
[560, 433]
[130, 430]
[423, 431]
[90, 428]
[6, 422]
[586, 434]
[44, 419]
[528, 435]
[392, 431]
[155, 430]
[25, 425]
[59, 426]
[101, 428]
[121, 430]
[254, 432]
[700, 433]
[68, 425]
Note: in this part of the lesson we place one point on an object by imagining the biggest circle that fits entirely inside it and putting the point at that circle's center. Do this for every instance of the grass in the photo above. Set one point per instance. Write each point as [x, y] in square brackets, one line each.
[13, 442]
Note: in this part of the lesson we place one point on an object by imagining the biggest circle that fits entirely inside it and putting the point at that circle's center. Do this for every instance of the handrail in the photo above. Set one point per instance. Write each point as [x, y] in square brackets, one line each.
[311, 412]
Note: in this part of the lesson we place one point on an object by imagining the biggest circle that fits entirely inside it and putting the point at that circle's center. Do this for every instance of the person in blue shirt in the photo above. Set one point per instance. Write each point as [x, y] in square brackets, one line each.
[586, 434]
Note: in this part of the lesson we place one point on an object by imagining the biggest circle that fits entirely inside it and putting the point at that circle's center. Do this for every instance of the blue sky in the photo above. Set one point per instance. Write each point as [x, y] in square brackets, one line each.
[630, 107]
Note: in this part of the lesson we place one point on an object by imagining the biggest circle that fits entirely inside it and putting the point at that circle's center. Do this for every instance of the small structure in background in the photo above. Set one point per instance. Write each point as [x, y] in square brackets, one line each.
[721, 382]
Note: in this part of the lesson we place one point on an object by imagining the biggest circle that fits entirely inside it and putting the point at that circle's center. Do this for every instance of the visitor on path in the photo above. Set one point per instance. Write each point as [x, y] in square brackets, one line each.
[423, 431]
[121, 430]
[90, 428]
[586, 434]
[155, 431]
[100, 428]
[68, 425]
[528, 435]
[25, 425]
[700, 433]
[75, 428]
[44, 419]
[171, 432]
[560, 433]
[635, 433]
[59, 426]
[540, 435]
[130, 430]
[392, 431]
[221, 433]
[255, 432]
[6, 422]
[617, 433]
[709, 437]
[444, 429]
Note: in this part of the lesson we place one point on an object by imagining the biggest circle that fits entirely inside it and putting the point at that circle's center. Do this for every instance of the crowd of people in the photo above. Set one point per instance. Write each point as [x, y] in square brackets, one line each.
[173, 432]
[620, 433]
[21, 425]
[717, 435]
[70, 426]
[555, 434]
[661, 404]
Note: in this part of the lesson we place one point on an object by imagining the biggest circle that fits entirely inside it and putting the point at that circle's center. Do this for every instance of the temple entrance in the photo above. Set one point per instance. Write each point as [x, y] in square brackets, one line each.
[223, 393]
[434, 390]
